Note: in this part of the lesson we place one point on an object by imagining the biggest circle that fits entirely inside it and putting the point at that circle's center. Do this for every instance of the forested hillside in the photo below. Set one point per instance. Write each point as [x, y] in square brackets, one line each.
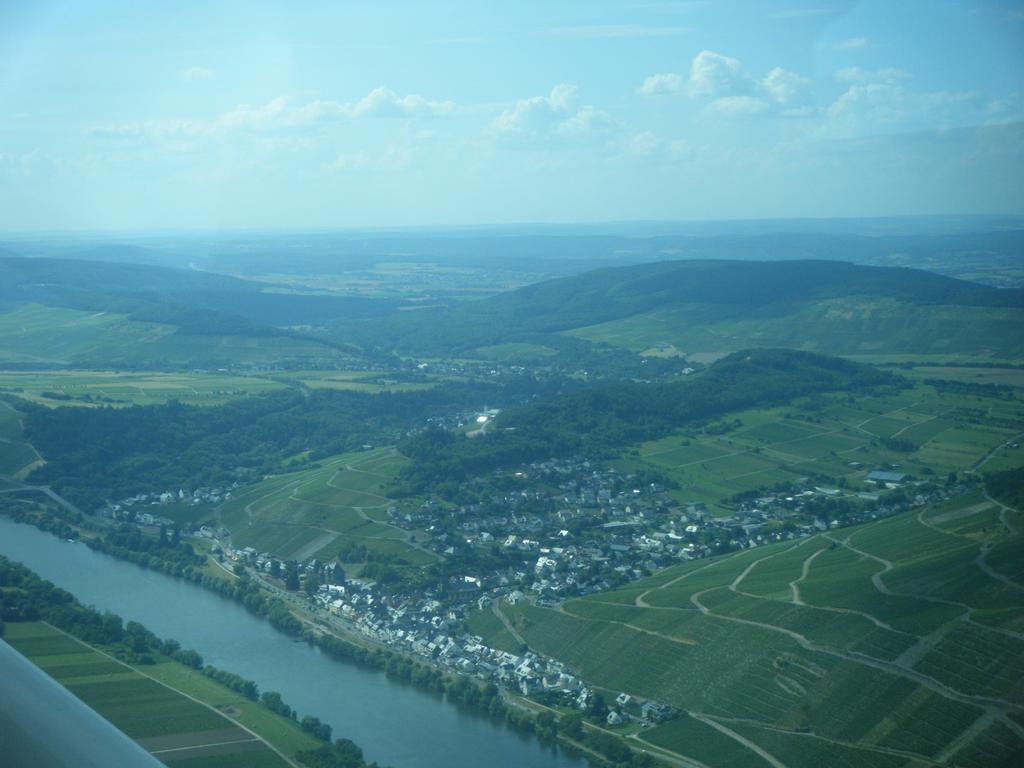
[601, 420]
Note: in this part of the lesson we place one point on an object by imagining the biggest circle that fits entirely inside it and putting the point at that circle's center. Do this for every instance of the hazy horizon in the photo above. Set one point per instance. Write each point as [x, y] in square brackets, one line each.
[306, 116]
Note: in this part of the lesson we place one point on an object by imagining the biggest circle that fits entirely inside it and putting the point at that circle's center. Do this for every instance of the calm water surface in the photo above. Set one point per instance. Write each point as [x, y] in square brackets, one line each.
[394, 724]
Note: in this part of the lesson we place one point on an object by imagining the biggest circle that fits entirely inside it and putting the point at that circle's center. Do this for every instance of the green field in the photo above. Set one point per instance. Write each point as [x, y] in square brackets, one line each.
[91, 388]
[37, 334]
[515, 352]
[895, 643]
[841, 438]
[353, 381]
[157, 705]
[317, 512]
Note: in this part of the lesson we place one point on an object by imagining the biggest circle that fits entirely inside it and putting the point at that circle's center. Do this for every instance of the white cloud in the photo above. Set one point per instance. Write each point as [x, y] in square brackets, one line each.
[587, 120]
[880, 101]
[383, 102]
[785, 86]
[733, 91]
[665, 82]
[712, 74]
[197, 73]
[557, 114]
[282, 115]
[737, 106]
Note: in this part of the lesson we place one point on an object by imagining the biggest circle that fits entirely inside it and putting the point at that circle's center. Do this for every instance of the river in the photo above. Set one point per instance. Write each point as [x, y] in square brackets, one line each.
[395, 724]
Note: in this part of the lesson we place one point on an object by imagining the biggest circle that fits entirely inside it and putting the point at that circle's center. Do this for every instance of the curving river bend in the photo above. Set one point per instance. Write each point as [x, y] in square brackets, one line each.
[394, 724]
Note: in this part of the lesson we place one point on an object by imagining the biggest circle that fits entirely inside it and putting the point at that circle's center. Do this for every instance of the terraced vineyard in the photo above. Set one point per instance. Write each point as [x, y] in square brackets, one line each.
[317, 513]
[895, 643]
[922, 429]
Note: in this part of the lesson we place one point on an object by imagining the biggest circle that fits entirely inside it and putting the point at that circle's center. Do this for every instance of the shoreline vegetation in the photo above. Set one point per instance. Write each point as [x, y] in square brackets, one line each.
[27, 598]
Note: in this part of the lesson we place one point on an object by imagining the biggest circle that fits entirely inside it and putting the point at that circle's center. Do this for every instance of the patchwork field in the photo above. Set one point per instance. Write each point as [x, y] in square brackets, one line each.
[169, 722]
[92, 388]
[322, 511]
[896, 643]
[925, 432]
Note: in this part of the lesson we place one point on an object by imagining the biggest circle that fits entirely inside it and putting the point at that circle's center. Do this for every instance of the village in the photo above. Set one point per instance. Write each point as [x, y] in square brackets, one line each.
[543, 533]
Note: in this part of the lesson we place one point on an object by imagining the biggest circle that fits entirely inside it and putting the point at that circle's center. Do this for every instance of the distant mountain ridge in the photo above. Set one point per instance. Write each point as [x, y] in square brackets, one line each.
[609, 293]
[703, 293]
[699, 305]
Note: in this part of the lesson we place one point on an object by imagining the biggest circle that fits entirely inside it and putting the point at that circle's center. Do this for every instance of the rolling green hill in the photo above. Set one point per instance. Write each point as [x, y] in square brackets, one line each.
[896, 643]
[56, 312]
[720, 306]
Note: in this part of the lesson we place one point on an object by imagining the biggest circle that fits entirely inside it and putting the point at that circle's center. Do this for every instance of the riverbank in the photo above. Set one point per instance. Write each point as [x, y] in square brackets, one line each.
[170, 706]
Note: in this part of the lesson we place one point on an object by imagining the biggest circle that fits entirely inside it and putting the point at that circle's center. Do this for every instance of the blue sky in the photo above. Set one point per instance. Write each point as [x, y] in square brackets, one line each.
[139, 115]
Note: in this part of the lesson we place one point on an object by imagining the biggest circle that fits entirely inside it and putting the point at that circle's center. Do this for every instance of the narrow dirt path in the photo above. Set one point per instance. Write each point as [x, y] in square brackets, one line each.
[44, 489]
[982, 560]
[496, 610]
[966, 737]
[899, 432]
[818, 737]
[755, 748]
[634, 627]
[991, 454]
[805, 570]
[999, 706]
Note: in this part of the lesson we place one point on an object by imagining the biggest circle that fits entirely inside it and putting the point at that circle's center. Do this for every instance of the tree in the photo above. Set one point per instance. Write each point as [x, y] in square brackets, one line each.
[598, 708]
[291, 579]
[572, 726]
[312, 582]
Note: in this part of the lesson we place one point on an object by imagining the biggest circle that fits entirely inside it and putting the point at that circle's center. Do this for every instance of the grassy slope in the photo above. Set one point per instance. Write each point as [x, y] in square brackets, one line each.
[856, 325]
[713, 306]
[315, 512]
[146, 710]
[842, 676]
[17, 457]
